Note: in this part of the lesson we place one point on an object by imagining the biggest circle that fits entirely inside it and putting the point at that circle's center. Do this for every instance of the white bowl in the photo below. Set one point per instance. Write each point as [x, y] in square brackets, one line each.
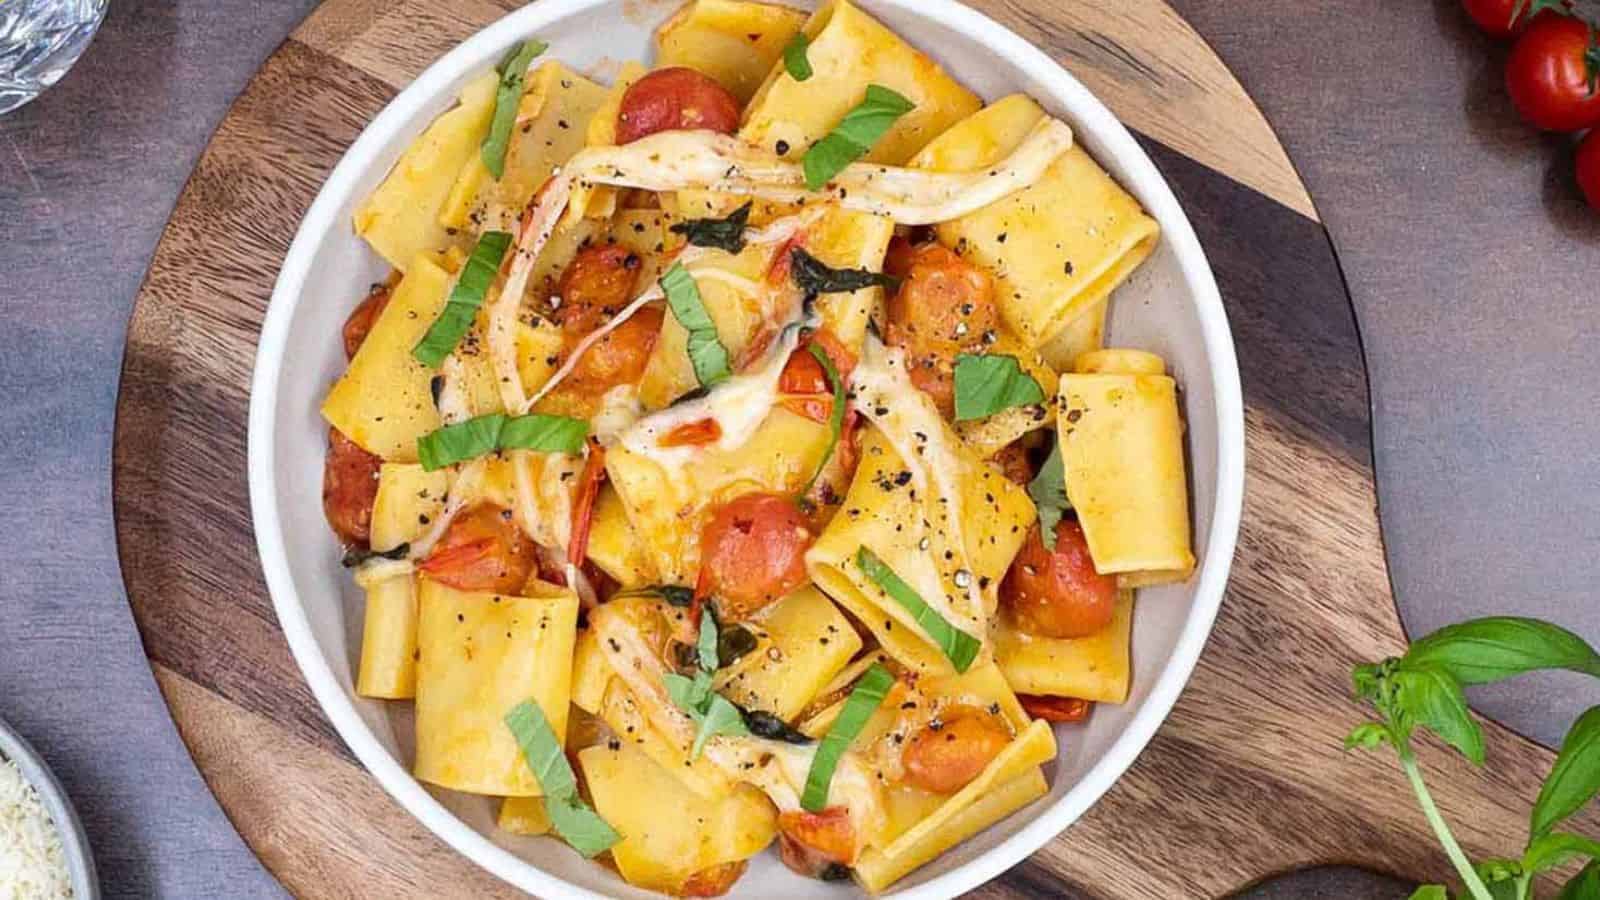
[1170, 306]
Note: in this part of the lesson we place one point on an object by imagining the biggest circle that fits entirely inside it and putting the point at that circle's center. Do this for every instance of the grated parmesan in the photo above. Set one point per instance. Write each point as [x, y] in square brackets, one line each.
[32, 864]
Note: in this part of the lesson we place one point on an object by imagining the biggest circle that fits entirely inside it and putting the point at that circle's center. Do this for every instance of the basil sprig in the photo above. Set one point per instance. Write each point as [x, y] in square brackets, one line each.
[864, 700]
[720, 234]
[991, 383]
[813, 276]
[1423, 689]
[1049, 492]
[513, 71]
[710, 710]
[853, 137]
[794, 57]
[835, 416]
[483, 435]
[579, 825]
[706, 352]
[958, 646]
[465, 298]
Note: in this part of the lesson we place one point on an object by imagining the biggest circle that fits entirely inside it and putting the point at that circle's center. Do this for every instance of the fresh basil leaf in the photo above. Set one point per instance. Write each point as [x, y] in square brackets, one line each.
[794, 57]
[708, 641]
[1049, 492]
[1366, 736]
[688, 694]
[1433, 698]
[835, 416]
[485, 434]
[1486, 650]
[577, 824]
[766, 725]
[720, 234]
[706, 353]
[864, 700]
[989, 384]
[1551, 851]
[813, 276]
[1574, 779]
[353, 558]
[477, 276]
[513, 71]
[1583, 886]
[853, 137]
[1430, 892]
[720, 717]
[958, 646]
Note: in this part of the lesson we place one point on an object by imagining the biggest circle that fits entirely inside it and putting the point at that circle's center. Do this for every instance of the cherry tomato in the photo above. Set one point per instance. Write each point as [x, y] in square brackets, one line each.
[1504, 18]
[618, 358]
[594, 475]
[1057, 593]
[1588, 160]
[945, 305]
[365, 316]
[803, 374]
[715, 881]
[1548, 75]
[595, 286]
[675, 98]
[349, 485]
[1012, 460]
[752, 552]
[483, 550]
[821, 838]
[1055, 709]
[947, 753]
[693, 434]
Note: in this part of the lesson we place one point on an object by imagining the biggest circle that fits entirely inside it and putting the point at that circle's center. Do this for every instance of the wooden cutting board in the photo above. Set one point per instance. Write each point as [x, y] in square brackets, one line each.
[1246, 779]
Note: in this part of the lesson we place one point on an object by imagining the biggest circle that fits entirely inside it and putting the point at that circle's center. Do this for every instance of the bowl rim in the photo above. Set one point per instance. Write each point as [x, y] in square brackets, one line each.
[1089, 115]
[53, 796]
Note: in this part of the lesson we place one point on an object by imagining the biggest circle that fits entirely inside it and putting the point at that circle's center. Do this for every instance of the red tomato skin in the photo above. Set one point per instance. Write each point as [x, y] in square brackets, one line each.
[365, 316]
[944, 759]
[1494, 17]
[618, 358]
[753, 552]
[944, 306]
[1547, 76]
[1588, 162]
[819, 838]
[1055, 709]
[483, 550]
[675, 98]
[349, 487]
[595, 286]
[1057, 593]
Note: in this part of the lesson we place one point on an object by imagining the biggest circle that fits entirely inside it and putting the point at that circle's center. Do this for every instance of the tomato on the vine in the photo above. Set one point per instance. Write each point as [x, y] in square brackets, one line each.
[1552, 75]
[1589, 168]
[1509, 18]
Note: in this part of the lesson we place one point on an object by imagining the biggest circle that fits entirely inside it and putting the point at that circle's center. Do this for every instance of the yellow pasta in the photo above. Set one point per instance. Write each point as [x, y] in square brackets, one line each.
[600, 201]
[523, 815]
[735, 42]
[806, 643]
[990, 435]
[1097, 667]
[615, 547]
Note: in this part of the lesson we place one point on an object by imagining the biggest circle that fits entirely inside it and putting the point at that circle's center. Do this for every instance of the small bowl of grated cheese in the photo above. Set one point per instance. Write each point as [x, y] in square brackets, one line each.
[44, 854]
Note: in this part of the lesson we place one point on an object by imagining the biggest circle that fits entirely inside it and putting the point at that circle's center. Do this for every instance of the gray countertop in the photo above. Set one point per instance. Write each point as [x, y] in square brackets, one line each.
[1472, 269]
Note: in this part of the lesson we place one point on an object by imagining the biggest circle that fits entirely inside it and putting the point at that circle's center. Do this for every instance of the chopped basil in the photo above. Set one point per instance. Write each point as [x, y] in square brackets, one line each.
[353, 558]
[721, 234]
[465, 298]
[835, 418]
[1049, 492]
[794, 57]
[958, 646]
[577, 824]
[513, 71]
[706, 353]
[855, 134]
[986, 385]
[720, 717]
[485, 434]
[813, 276]
[766, 725]
[713, 713]
[708, 642]
[863, 702]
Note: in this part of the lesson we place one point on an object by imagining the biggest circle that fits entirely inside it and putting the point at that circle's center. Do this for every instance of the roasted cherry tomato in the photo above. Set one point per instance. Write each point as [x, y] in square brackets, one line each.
[1055, 709]
[715, 881]
[1013, 461]
[1548, 75]
[803, 374]
[675, 98]
[596, 285]
[618, 358]
[483, 550]
[752, 552]
[349, 485]
[811, 843]
[943, 756]
[693, 434]
[1588, 160]
[365, 316]
[944, 306]
[1506, 18]
[1057, 593]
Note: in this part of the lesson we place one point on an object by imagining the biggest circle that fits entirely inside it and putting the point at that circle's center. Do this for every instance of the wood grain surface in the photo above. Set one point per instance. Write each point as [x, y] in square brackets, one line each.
[1245, 780]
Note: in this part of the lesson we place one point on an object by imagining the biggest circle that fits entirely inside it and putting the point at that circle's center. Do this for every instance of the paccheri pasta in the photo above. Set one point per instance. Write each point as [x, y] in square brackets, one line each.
[732, 459]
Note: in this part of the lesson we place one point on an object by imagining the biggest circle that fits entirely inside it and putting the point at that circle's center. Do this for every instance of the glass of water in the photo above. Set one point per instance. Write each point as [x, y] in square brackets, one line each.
[39, 42]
